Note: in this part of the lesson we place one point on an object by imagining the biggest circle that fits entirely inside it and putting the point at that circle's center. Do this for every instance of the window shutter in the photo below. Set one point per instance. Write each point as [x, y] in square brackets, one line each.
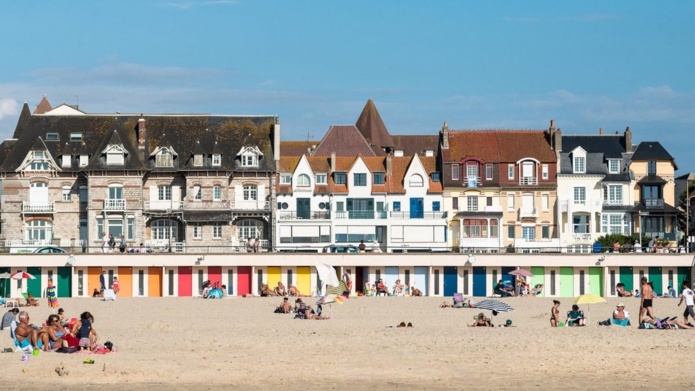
[154, 195]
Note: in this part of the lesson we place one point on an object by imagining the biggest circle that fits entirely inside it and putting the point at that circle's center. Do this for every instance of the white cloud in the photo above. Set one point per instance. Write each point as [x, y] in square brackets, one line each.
[8, 107]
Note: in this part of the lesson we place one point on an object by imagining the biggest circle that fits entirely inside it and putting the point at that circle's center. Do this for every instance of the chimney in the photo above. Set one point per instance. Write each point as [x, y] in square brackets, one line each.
[445, 136]
[142, 132]
[552, 125]
[628, 140]
[332, 161]
[600, 131]
[388, 164]
[558, 140]
[276, 141]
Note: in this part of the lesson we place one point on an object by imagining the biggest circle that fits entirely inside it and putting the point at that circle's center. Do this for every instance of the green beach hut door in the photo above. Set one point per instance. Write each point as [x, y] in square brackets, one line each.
[596, 281]
[656, 277]
[566, 282]
[34, 286]
[627, 278]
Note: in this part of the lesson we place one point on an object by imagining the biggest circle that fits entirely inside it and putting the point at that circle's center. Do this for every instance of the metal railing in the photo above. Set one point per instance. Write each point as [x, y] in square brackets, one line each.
[210, 205]
[250, 205]
[472, 181]
[425, 215]
[114, 204]
[528, 180]
[653, 202]
[292, 215]
[29, 207]
[163, 205]
[360, 215]
[613, 202]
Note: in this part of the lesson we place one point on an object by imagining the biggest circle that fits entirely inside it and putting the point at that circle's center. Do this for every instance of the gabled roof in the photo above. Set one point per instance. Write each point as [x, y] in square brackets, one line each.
[182, 130]
[296, 148]
[131, 159]
[372, 127]
[412, 144]
[611, 146]
[651, 150]
[43, 106]
[515, 145]
[344, 140]
[479, 144]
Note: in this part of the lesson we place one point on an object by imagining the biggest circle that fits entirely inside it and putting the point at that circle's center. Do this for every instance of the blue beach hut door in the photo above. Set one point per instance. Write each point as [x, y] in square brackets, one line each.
[450, 280]
[479, 281]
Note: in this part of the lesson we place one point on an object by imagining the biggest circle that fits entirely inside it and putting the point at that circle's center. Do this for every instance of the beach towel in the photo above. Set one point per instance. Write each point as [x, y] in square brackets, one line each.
[337, 290]
[51, 296]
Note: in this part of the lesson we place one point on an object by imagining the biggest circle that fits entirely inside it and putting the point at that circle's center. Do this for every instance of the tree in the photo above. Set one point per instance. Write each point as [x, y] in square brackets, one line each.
[683, 207]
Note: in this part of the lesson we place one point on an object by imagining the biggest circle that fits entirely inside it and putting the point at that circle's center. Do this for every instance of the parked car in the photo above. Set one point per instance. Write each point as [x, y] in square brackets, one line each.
[49, 250]
[335, 248]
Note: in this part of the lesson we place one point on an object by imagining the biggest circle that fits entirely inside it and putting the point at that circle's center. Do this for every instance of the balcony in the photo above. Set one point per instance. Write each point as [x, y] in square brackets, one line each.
[209, 205]
[528, 213]
[482, 208]
[32, 207]
[425, 215]
[528, 180]
[163, 205]
[653, 203]
[473, 181]
[249, 205]
[114, 205]
[318, 215]
[360, 215]
[613, 202]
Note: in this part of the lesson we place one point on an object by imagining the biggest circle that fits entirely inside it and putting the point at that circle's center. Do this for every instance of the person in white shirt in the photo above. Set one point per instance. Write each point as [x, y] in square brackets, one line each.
[104, 243]
[638, 246]
[687, 295]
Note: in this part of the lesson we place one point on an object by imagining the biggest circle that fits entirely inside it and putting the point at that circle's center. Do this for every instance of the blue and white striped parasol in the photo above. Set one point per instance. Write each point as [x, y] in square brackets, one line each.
[494, 305]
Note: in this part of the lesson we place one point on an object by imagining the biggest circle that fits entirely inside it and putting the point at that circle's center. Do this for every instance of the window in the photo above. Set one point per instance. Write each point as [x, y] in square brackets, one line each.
[435, 206]
[197, 232]
[216, 160]
[580, 224]
[510, 171]
[436, 177]
[285, 179]
[67, 161]
[250, 193]
[415, 181]
[472, 203]
[471, 170]
[488, 172]
[613, 166]
[545, 231]
[579, 195]
[249, 159]
[75, 136]
[510, 201]
[249, 229]
[66, 193]
[303, 180]
[613, 195]
[83, 160]
[379, 178]
[217, 231]
[510, 231]
[164, 158]
[51, 136]
[39, 162]
[455, 171]
[615, 224]
[217, 192]
[455, 203]
[396, 206]
[340, 178]
[528, 233]
[651, 167]
[340, 206]
[164, 229]
[83, 193]
[579, 167]
[198, 160]
[39, 230]
[545, 202]
[398, 152]
[488, 201]
[359, 179]
[131, 228]
[321, 179]
[115, 158]
[475, 228]
[164, 193]
[494, 227]
[197, 193]
[544, 170]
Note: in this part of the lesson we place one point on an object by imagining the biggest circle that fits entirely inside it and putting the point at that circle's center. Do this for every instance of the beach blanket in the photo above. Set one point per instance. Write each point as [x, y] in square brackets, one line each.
[337, 290]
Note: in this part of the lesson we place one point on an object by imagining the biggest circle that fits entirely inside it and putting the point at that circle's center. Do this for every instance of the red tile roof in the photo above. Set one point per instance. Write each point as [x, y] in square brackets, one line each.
[416, 143]
[372, 126]
[296, 148]
[43, 107]
[499, 145]
[344, 140]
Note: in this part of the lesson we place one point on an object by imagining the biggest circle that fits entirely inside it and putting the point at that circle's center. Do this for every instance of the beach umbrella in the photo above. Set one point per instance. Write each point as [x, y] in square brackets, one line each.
[22, 276]
[327, 274]
[521, 272]
[330, 299]
[493, 305]
[588, 299]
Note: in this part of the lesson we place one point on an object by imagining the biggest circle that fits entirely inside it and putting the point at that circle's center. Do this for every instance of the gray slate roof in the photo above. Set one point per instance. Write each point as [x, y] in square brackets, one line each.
[651, 150]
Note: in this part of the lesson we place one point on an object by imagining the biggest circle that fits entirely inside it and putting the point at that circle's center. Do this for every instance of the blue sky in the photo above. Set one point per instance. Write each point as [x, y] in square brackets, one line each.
[502, 64]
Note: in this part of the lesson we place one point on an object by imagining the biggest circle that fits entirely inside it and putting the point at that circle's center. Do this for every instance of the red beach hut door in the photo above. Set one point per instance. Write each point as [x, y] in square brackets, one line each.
[243, 280]
[185, 281]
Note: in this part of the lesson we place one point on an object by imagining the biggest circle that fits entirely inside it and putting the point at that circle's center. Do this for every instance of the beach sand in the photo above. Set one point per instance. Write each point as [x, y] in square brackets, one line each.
[187, 343]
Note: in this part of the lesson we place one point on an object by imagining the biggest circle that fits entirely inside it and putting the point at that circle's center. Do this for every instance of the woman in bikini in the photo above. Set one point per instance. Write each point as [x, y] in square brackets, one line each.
[480, 321]
[555, 314]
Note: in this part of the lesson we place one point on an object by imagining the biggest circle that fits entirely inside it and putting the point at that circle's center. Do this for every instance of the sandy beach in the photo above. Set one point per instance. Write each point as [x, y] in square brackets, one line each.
[178, 343]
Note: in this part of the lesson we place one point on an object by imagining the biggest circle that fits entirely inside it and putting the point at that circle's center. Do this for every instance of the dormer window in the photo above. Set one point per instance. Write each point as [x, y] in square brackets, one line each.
[76, 137]
[67, 161]
[614, 166]
[379, 178]
[164, 158]
[436, 177]
[285, 179]
[429, 152]
[321, 178]
[250, 156]
[84, 160]
[114, 158]
[303, 180]
[216, 160]
[398, 153]
[198, 160]
[51, 136]
[38, 162]
[579, 166]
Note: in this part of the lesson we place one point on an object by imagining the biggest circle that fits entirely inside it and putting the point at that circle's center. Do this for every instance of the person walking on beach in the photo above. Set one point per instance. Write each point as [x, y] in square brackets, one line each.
[115, 285]
[646, 301]
[102, 282]
[555, 314]
[687, 295]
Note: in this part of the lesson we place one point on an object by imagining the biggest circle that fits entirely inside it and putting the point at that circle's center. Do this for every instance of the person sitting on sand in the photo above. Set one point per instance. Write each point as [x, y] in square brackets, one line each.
[31, 301]
[284, 308]
[57, 335]
[537, 290]
[555, 314]
[502, 289]
[575, 317]
[26, 335]
[83, 330]
[620, 316]
[280, 290]
[481, 321]
[416, 292]
[294, 292]
[309, 314]
[620, 290]
[381, 288]
[265, 291]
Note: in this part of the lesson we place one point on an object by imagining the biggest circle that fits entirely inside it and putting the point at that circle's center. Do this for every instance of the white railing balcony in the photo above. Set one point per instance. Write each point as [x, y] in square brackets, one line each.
[613, 202]
[250, 205]
[528, 180]
[292, 215]
[425, 215]
[31, 207]
[163, 205]
[211, 205]
[580, 202]
[114, 204]
[579, 237]
[360, 215]
[528, 212]
[472, 181]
